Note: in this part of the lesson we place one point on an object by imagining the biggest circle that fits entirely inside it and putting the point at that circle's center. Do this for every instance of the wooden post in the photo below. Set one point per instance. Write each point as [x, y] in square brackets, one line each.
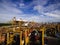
[43, 35]
[58, 28]
[20, 33]
[20, 37]
[7, 38]
[25, 37]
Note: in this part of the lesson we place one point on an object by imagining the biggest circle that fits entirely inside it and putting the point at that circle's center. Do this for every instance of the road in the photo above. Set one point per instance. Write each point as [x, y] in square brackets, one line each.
[53, 41]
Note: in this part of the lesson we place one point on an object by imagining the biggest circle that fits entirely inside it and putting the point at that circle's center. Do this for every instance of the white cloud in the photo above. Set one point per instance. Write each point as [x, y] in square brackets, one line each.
[34, 2]
[22, 5]
[50, 10]
[40, 2]
[52, 15]
[9, 8]
[39, 8]
[56, 12]
[8, 11]
[43, 19]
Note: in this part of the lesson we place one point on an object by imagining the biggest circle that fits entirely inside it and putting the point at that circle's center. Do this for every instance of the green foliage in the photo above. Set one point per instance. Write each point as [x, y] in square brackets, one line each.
[5, 24]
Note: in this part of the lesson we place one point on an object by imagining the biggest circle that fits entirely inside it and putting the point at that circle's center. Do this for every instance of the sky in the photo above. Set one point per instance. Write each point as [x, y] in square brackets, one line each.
[30, 10]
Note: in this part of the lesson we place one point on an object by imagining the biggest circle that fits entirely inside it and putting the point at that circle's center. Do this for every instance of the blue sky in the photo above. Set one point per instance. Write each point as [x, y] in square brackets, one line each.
[30, 10]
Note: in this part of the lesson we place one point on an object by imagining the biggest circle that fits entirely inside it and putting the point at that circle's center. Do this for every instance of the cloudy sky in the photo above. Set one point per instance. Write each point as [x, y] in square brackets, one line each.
[29, 10]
